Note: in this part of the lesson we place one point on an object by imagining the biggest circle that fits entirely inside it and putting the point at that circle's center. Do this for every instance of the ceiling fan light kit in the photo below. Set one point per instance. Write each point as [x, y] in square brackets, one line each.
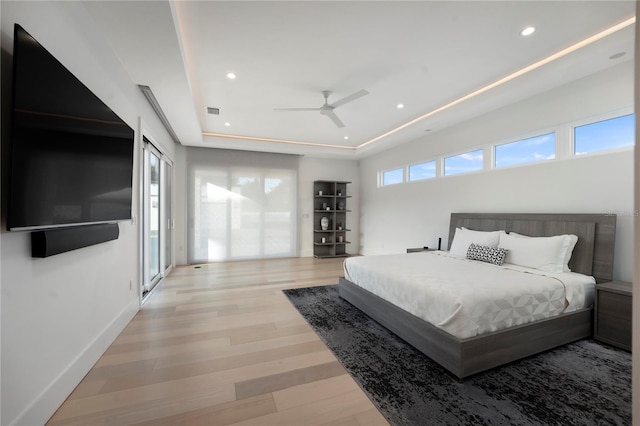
[327, 108]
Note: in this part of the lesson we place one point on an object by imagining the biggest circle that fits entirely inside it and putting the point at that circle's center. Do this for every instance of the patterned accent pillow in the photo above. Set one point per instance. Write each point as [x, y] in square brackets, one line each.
[493, 255]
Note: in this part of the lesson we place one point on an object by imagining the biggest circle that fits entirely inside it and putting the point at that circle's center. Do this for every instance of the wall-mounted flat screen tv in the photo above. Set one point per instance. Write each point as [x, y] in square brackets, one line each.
[71, 155]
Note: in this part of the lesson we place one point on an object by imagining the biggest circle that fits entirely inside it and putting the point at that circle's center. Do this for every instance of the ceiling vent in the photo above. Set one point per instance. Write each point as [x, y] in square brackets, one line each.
[213, 111]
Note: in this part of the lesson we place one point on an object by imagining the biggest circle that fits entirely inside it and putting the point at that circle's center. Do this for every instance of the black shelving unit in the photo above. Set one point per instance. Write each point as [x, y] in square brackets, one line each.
[330, 201]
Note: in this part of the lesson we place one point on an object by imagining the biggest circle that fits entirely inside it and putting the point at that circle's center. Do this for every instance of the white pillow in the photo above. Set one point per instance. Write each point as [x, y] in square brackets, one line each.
[543, 253]
[463, 238]
[570, 244]
[573, 240]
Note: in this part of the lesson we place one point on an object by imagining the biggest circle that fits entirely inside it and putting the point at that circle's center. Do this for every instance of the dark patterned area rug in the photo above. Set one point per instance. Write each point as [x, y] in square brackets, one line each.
[584, 383]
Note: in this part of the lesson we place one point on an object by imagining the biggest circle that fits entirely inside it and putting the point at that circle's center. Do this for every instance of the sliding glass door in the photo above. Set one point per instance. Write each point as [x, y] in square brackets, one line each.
[242, 213]
[241, 205]
[157, 217]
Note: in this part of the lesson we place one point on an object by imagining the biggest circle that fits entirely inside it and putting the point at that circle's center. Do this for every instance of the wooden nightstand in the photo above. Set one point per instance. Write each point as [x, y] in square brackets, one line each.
[419, 249]
[612, 311]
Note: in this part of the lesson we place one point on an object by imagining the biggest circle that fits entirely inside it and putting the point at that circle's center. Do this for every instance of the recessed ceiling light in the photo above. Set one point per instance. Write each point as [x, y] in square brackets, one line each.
[617, 55]
[564, 52]
[527, 31]
[400, 106]
[231, 76]
[227, 124]
[346, 137]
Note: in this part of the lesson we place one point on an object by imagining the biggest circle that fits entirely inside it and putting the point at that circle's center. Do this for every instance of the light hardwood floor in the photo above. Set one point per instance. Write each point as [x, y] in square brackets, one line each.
[219, 344]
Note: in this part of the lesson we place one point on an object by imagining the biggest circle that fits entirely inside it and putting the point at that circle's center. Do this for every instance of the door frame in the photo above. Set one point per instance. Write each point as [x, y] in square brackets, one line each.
[147, 142]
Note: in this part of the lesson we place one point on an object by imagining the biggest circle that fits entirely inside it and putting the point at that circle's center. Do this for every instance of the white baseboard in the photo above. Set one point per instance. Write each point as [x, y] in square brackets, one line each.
[49, 400]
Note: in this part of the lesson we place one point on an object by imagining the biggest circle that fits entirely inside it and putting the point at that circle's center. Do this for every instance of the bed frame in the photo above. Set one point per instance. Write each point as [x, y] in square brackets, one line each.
[593, 255]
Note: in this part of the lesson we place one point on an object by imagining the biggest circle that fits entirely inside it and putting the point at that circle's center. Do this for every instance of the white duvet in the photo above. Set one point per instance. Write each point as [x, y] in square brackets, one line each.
[464, 297]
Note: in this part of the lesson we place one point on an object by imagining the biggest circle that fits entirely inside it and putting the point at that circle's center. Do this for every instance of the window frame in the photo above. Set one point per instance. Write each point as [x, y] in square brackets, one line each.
[402, 179]
[623, 112]
[494, 147]
[443, 161]
[435, 166]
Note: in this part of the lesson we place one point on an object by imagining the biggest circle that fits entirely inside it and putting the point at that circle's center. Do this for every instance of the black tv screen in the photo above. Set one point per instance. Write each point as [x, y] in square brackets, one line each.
[71, 155]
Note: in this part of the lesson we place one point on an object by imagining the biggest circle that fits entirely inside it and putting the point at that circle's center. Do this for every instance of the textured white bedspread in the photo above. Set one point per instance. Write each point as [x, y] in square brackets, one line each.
[466, 298]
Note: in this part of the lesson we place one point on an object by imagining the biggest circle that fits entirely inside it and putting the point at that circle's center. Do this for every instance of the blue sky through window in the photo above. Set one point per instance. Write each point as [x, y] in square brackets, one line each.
[391, 177]
[611, 134]
[422, 171]
[537, 148]
[463, 163]
[614, 133]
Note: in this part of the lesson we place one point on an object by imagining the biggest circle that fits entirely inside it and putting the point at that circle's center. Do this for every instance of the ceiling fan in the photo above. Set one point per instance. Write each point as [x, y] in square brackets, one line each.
[327, 108]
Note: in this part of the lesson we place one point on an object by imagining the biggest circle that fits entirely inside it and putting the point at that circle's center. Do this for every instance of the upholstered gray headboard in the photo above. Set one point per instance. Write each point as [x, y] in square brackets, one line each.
[593, 254]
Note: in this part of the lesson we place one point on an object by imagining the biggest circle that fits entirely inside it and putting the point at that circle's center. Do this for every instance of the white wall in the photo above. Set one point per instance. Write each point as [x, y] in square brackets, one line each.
[59, 314]
[312, 169]
[396, 217]
[180, 191]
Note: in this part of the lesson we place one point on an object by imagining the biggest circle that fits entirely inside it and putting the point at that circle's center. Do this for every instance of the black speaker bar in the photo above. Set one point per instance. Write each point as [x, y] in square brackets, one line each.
[55, 241]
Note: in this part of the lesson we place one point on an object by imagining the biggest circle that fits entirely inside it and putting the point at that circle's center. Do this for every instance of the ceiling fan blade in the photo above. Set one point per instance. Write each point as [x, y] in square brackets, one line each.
[351, 97]
[332, 115]
[297, 109]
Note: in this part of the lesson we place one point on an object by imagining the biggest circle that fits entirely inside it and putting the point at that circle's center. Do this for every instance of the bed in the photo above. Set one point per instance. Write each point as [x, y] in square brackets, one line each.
[468, 353]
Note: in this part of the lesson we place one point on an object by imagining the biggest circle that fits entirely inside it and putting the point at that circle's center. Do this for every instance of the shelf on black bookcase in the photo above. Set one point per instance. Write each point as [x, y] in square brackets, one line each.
[334, 195]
